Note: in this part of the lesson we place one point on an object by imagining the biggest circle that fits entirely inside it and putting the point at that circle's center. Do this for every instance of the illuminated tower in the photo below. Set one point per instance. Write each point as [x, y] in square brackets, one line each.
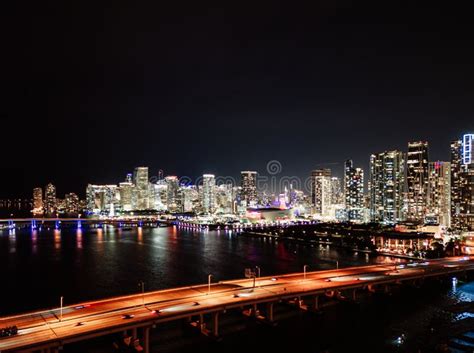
[249, 187]
[140, 179]
[386, 186]
[50, 201]
[439, 192]
[417, 180]
[354, 191]
[38, 201]
[208, 193]
[321, 191]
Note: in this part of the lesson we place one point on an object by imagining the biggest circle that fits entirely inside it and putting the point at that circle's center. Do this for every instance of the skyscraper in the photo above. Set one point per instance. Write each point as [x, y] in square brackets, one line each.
[140, 179]
[417, 180]
[439, 192]
[38, 201]
[337, 193]
[72, 203]
[50, 201]
[126, 190]
[354, 191]
[467, 183]
[249, 187]
[321, 191]
[457, 177]
[172, 199]
[208, 193]
[386, 186]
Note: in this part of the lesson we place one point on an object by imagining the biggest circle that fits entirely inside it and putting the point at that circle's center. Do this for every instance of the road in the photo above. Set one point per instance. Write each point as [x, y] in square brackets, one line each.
[82, 321]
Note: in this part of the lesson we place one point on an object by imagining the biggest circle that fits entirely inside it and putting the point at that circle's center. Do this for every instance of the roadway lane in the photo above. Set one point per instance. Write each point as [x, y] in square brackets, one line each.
[159, 306]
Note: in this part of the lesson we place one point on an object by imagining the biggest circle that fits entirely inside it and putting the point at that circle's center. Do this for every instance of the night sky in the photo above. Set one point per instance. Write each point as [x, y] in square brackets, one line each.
[193, 87]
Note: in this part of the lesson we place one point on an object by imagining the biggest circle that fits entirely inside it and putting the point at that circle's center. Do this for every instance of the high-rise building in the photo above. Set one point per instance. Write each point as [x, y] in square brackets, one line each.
[337, 193]
[386, 186]
[417, 180]
[439, 193]
[126, 190]
[172, 199]
[72, 203]
[38, 201]
[321, 191]
[249, 187]
[354, 191]
[457, 177]
[208, 193]
[103, 199]
[466, 215]
[224, 200]
[189, 198]
[50, 201]
[140, 179]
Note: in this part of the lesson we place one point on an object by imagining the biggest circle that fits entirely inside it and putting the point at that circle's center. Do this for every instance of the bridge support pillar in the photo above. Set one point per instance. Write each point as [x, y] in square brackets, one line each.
[146, 340]
[354, 294]
[215, 324]
[134, 333]
[316, 302]
[270, 312]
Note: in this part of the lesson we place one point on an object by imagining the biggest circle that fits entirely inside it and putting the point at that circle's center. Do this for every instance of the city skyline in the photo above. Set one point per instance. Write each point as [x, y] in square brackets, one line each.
[222, 86]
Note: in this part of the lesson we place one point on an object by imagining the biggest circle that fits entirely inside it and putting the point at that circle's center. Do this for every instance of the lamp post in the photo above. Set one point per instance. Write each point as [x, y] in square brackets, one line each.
[61, 308]
[142, 285]
[304, 271]
[337, 264]
[209, 284]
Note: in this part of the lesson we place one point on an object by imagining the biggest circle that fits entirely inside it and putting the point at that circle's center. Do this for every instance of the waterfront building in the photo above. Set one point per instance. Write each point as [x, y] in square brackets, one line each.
[140, 179]
[224, 200]
[71, 203]
[208, 193]
[38, 201]
[126, 191]
[386, 186]
[439, 193]
[354, 192]
[50, 201]
[248, 184]
[337, 192]
[417, 180]
[189, 198]
[321, 192]
[172, 199]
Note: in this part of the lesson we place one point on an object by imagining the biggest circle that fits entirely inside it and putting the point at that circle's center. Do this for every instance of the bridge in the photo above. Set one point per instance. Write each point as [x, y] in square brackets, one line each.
[57, 222]
[201, 306]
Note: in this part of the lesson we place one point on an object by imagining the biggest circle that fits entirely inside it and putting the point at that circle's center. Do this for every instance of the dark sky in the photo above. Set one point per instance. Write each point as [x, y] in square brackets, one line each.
[192, 87]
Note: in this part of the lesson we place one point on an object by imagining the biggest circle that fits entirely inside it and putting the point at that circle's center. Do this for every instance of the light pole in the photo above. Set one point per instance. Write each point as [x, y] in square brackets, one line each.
[304, 271]
[209, 284]
[337, 264]
[61, 309]
[142, 285]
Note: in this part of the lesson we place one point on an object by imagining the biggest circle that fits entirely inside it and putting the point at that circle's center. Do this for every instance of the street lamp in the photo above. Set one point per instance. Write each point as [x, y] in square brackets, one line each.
[304, 271]
[61, 308]
[142, 285]
[209, 284]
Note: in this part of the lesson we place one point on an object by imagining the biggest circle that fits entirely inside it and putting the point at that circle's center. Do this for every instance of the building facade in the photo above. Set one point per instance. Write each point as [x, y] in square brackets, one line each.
[386, 186]
[439, 193]
[417, 180]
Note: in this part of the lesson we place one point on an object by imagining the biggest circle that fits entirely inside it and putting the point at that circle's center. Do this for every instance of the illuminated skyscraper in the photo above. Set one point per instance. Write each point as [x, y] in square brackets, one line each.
[126, 190]
[224, 200]
[462, 183]
[337, 193]
[417, 180]
[457, 177]
[38, 201]
[439, 193]
[50, 201]
[140, 179]
[172, 199]
[321, 191]
[249, 187]
[354, 191]
[386, 186]
[72, 203]
[208, 193]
